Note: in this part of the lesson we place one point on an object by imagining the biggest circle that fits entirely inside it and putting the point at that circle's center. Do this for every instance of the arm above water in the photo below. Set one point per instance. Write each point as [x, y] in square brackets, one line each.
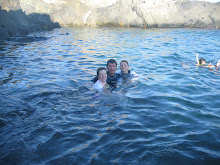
[197, 58]
[136, 76]
[209, 66]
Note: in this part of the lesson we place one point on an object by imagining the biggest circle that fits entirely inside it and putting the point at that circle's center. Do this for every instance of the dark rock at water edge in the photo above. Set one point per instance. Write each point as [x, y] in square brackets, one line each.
[14, 22]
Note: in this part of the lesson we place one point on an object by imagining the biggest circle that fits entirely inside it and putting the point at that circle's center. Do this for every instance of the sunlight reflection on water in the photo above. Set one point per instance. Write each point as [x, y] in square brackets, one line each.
[47, 100]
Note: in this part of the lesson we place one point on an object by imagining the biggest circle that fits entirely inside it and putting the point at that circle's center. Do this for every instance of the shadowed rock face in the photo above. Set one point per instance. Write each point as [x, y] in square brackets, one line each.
[15, 22]
[135, 13]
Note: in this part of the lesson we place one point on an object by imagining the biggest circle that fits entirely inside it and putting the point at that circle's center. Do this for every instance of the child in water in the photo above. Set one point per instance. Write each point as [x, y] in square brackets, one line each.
[101, 84]
[127, 78]
[125, 72]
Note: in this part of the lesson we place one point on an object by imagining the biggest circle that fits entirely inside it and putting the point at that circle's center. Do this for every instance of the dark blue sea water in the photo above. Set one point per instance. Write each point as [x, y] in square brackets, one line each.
[49, 114]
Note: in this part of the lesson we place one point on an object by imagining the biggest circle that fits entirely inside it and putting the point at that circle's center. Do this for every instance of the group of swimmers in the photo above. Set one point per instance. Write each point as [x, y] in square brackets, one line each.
[107, 79]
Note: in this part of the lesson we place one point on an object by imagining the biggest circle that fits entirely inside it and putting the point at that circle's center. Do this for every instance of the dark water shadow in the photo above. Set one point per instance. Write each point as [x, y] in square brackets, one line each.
[27, 39]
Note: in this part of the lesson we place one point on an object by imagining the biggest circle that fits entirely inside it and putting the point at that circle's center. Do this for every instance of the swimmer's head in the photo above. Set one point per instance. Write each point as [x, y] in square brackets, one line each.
[101, 74]
[112, 61]
[124, 66]
[202, 61]
[111, 66]
[124, 61]
[100, 69]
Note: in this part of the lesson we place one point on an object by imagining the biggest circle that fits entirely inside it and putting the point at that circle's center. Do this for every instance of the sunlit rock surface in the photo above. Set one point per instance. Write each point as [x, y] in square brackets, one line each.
[138, 13]
[129, 13]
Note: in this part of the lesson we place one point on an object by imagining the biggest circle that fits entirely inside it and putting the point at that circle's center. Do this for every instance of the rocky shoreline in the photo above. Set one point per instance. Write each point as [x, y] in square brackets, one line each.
[15, 22]
[21, 17]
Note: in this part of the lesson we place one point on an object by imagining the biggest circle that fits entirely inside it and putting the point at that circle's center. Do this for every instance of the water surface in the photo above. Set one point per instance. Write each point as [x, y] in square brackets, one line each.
[49, 113]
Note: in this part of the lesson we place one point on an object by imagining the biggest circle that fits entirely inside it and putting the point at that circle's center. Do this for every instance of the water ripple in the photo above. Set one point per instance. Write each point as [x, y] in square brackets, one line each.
[50, 114]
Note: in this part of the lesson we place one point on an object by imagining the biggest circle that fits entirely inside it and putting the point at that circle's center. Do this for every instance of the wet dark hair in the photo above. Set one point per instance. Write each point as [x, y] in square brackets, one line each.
[99, 69]
[201, 60]
[112, 61]
[124, 61]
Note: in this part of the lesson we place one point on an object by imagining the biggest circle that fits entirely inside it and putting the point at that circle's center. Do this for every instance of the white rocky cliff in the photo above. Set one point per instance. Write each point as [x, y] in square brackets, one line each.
[129, 13]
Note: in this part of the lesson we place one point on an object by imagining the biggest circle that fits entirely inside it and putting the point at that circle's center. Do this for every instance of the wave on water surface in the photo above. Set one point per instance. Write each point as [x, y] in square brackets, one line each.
[50, 114]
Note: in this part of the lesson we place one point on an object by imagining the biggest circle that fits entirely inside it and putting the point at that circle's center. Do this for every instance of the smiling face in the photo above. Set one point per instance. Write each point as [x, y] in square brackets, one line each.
[124, 67]
[102, 76]
[111, 68]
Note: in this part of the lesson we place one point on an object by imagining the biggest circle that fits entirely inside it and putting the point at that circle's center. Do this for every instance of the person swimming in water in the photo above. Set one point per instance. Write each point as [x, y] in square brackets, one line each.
[101, 84]
[125, 72]
[127, 77]
[202, 62]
